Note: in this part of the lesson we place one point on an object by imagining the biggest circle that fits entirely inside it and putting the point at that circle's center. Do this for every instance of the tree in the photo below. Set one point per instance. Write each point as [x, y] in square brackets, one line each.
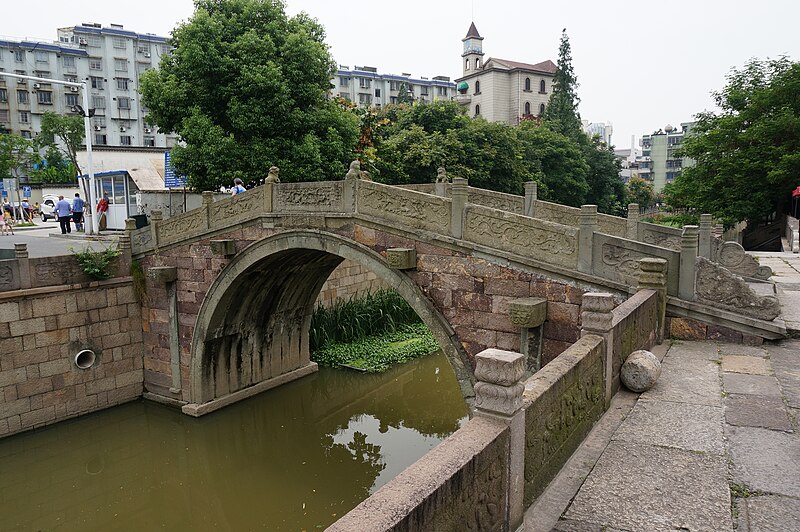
[747, 155]
[606, 189]
[62, 133]
[640, 192]
[16, 155]
[404, 94]
[561, 112]
[245, 88]
[53, 167]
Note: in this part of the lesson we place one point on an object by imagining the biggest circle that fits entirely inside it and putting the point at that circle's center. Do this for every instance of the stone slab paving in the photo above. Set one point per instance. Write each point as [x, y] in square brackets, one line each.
[757, 411]
[751, 384]
[785, 359]
[745, 364]
[768, 513]
[765, 460]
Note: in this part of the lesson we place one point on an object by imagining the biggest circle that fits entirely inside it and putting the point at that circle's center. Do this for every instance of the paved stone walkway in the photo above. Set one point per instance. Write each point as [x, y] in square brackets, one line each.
[713, 446]
[786, 274]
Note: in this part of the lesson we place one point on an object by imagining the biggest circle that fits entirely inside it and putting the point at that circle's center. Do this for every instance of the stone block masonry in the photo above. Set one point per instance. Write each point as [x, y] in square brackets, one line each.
[40, 334]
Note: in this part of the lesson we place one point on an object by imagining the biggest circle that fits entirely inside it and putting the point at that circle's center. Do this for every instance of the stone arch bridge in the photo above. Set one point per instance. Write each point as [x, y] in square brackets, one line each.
[231, 285]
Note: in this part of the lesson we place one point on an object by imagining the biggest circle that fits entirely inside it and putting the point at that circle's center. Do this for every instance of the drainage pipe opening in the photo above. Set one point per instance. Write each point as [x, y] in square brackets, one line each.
[85, 359]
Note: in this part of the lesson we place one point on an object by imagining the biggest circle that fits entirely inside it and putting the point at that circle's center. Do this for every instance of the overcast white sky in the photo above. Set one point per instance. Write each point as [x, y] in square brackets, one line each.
[640, 64]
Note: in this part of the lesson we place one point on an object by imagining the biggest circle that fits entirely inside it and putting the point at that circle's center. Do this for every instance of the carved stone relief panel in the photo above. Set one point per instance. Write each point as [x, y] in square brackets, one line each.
[662, 239]
[502, 202]
[732, 256]
[718, 287]
[412, 209]
[141, 240]
[309, 197]
[560, 214]
[174, 229]
[236, 208]
[612, 225]
[9, 276]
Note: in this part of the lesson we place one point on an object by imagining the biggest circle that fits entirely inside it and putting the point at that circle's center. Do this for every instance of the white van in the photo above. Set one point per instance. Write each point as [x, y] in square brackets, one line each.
[47, 207]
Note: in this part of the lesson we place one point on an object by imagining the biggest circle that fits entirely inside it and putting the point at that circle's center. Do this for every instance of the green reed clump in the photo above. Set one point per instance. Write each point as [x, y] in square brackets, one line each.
[357, 318]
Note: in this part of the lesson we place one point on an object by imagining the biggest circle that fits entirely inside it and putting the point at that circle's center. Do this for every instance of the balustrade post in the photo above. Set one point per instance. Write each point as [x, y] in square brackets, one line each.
[531, 195]
[349, 195]
[270, 190]
[155, 221]
[458, 195]
[706, 223]
[686, 274]
[21, 254]
[208, 199]
[653, 276]
[634, 215]
[498, 396]
[124, 246]
[588, 225]
[597, 318]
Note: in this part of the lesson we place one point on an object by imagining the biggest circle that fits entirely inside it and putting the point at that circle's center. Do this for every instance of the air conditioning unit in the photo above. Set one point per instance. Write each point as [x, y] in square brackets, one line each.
[83, 42]
[73, 89]
[147, 54]
[122, 129]
[37, 85]
[97, 128]
[148, 130]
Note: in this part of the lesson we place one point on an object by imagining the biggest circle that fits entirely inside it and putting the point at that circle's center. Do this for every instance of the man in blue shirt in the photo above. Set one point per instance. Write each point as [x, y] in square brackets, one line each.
[77, 212]
[63, 210]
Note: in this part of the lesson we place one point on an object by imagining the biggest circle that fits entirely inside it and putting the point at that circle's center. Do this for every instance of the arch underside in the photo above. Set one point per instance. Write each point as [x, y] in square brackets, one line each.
[253, 325]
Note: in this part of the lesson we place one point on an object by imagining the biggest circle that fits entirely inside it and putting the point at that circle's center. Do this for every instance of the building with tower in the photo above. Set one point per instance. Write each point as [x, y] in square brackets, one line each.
[500, 90]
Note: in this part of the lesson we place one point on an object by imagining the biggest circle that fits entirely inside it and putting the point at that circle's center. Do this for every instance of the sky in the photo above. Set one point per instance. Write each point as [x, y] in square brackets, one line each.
[640, 65]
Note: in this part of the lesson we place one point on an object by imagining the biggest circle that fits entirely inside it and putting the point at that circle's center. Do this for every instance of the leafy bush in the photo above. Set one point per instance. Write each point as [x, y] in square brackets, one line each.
[95, 264]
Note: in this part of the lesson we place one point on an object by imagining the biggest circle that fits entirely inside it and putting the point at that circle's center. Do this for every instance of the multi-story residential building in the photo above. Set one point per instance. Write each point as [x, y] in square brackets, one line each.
[111, 59]
[365, 86]
[604, 131]
[500, 90]
[659, 163]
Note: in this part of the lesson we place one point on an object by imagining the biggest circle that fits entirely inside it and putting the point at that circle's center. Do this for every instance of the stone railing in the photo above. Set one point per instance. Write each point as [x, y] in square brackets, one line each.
[485, 474]
[792, 235]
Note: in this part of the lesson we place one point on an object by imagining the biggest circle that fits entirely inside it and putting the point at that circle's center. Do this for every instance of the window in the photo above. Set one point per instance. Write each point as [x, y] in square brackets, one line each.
[364, 83]
[527, 84]
[394, 85]
[143, 48]
[344, 81]
[24, 117]
[164, 49]
[124, 102]
[423, 91]
[542, 87]
[94, 41]
[99, 122]
[477, 110]
[466, 65]
[41, 57]
[97, 82]
[125, 140]
[364, 98]
[121, 65]
[477, 64]
[69, 61]
[120, 42]
[26, 134]
[45, 97]
[344, 95]
[22, 96]
[441, 91]
[19, 56]
[541, 109]
[377, 93]
[71, 79]
[122, 84]
[70, 100]
[4, 115]
[3, 95]
[100, 138]
[393, 99]
[477, 87]
[149, 141]
[95, 63]
[527, 108]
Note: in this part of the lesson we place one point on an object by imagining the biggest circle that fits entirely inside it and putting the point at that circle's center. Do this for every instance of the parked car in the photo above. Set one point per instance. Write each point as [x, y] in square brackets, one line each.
[47, 207]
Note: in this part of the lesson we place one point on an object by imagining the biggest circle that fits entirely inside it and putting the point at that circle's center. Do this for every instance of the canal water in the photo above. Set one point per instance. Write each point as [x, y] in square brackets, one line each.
[294, 458]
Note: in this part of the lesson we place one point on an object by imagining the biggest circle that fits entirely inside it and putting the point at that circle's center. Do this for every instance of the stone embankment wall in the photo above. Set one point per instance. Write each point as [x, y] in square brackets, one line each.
[41, 331]
[350, 279]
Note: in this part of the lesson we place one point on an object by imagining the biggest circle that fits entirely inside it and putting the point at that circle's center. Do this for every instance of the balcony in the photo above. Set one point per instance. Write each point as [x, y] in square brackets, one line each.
[463, 99]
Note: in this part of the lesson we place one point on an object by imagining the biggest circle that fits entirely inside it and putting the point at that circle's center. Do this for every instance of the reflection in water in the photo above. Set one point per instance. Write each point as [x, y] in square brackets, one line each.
[297, 457]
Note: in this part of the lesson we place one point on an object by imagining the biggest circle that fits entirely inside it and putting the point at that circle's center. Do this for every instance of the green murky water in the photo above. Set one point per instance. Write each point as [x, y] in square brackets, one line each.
[294, 458]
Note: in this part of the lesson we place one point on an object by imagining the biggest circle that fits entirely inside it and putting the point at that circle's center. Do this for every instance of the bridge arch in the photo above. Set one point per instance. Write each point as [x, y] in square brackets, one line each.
[253, 324]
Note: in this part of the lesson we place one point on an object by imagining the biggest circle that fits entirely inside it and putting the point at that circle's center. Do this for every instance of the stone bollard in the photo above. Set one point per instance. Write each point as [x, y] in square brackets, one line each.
[20, 251]
[529, 314]
[640, 371]
[687, 273]
[498, 395]
[634, 216]
[531, 195]
[458, 194]
[706, 225]
[588, 225]
[653, 276]
[596, 318]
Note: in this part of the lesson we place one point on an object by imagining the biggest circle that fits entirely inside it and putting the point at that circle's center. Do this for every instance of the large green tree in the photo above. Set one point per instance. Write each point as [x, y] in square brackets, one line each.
[641, 192]
[245, 88]
[747, 154]
[64, 134]
[561, 113]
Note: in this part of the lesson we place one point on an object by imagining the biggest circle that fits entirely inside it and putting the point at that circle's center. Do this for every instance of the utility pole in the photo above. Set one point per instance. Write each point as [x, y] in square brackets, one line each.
[92, 220]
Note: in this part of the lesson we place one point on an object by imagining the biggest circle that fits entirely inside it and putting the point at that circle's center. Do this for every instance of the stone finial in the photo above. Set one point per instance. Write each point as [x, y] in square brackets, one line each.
[531, 195]
[156, 215]
[130, 224]
[402, 258]
[354, 172]
[588, 215]
[208, 197]
[441, 175]
[652, 273]
[528, 311]
[499, 390]
[272, 177]
[633, 210]
[596, 310]
[21, 251]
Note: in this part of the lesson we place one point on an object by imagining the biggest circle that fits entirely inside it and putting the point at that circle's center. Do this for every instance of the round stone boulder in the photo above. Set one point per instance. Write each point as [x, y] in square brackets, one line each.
[640, 371]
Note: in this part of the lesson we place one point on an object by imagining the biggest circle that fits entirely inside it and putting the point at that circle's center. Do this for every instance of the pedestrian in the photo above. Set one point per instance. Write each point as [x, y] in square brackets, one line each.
[36, 209]
[26, 211]
[77, 212]
[64, 212]
[102, 209]
[8, 222]
[238, 187]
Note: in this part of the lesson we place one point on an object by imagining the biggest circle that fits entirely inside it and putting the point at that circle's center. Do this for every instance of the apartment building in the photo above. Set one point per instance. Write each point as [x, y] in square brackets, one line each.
[501, 90]
[366, 86]
[658, 163]
[111, 59]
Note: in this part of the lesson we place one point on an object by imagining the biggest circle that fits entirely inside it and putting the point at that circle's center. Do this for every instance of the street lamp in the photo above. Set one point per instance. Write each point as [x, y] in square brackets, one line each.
[87, 113]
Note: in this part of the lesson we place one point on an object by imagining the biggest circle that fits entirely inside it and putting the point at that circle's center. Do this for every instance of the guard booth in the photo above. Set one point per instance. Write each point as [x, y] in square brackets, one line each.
[121, 187]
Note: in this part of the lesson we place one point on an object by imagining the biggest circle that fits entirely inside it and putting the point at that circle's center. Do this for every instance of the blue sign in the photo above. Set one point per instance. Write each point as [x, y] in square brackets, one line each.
[26, 192]
[170, 179]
